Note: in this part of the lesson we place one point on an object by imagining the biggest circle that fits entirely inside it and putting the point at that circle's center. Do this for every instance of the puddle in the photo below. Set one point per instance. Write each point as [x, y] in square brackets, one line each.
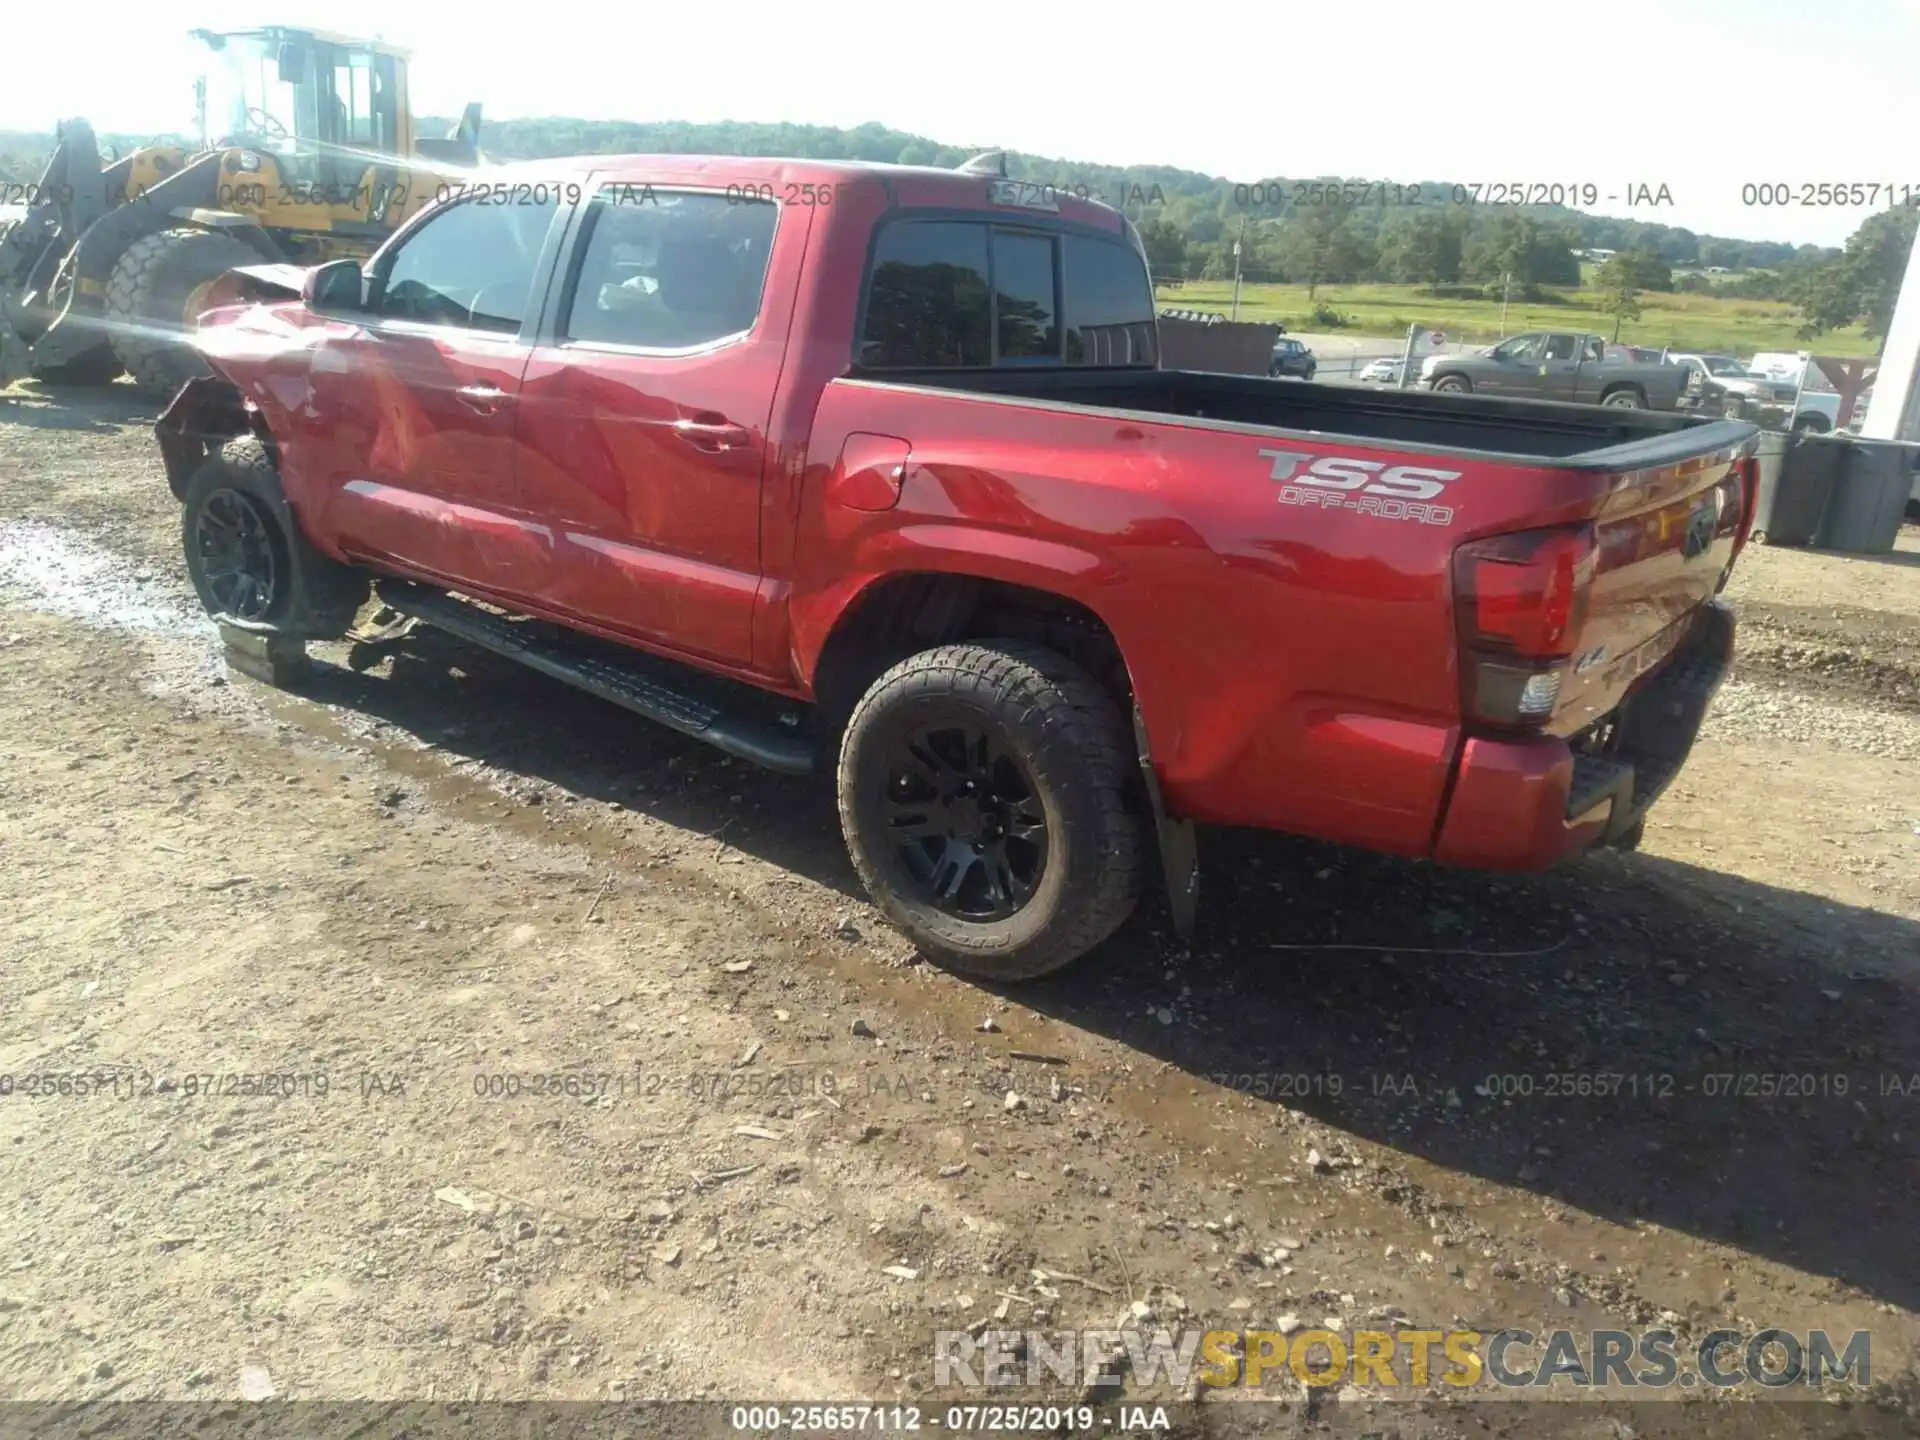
[58, 573]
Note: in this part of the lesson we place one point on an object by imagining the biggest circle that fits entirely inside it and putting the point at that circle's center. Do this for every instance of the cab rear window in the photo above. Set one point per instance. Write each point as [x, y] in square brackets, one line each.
[961, 294]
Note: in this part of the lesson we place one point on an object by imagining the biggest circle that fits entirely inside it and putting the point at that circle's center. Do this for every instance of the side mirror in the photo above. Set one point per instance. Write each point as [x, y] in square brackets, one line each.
[335, 288]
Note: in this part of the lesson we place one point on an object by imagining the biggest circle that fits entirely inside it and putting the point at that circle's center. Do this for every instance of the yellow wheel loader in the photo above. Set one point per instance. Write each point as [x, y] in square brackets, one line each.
[307, 153]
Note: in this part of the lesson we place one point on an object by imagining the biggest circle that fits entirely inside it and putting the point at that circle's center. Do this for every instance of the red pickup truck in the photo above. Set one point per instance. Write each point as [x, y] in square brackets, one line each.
[873, 469]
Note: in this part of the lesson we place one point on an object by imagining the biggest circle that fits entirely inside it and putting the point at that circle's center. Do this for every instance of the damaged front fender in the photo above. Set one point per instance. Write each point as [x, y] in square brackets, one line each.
[208, 412]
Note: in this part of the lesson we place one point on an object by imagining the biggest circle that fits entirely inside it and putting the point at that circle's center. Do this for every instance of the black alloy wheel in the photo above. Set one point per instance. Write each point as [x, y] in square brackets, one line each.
[965, 820]
[234, 543]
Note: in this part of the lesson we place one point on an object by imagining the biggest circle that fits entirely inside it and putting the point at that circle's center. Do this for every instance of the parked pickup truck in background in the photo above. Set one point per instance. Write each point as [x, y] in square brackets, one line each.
[895, 489]
[1720, 384]
[1559, 365]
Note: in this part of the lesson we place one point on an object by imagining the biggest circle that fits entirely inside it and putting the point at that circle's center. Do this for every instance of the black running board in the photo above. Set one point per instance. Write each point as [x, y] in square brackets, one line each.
[651, 695]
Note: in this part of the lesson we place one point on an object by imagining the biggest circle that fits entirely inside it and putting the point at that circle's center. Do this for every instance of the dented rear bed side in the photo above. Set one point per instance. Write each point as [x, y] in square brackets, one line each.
[1283, 597]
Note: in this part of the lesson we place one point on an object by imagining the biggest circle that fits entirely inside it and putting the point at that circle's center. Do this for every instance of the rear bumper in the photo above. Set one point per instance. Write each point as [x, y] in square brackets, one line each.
[1528, 804]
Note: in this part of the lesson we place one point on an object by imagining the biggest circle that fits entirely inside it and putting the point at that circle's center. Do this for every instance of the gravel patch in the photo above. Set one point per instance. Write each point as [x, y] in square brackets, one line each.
[1747, 711]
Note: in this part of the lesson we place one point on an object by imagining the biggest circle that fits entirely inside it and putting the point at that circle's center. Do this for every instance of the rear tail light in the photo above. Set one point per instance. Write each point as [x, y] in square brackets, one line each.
[1745, 484]
[1520, 602]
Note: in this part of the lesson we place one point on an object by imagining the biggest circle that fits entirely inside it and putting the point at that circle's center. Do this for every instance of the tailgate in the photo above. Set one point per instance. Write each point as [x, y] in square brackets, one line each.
[1665, 541]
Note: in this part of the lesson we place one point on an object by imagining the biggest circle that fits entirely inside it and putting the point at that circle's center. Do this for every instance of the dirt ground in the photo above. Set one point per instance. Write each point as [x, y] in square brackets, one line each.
[594, 1076]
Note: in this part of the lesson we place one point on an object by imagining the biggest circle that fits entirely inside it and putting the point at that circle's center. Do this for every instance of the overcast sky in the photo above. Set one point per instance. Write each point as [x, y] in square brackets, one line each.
[1702, 96]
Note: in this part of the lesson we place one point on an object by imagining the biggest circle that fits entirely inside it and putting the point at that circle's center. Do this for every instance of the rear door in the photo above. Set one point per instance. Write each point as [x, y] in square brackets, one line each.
[643, 423]
[411, 416]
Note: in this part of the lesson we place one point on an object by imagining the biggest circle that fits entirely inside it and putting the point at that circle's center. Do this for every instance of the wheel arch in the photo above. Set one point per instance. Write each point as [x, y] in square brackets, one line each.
[894, 614]
[209, 411]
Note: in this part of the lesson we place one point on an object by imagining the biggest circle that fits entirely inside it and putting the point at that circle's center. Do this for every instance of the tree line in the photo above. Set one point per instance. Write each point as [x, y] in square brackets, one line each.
[1190, 222]
[1348, 240]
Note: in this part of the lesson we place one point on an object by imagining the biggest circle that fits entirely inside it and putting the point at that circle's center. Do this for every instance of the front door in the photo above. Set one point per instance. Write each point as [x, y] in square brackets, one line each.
[1559, 367]
[1512, 369]
[415, 411]
[644, 414]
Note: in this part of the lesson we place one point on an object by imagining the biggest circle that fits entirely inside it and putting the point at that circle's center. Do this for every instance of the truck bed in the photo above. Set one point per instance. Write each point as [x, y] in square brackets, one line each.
[1571, 436]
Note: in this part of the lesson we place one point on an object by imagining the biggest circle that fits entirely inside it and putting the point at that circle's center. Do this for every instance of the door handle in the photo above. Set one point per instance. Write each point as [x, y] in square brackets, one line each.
[484, 398]
[711, 432]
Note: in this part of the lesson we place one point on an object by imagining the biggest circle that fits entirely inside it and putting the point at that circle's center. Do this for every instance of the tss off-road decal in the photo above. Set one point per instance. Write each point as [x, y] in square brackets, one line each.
[1367, 487]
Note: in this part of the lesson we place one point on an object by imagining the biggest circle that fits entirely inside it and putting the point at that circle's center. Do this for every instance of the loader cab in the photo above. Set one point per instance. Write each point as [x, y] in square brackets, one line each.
[307, 99]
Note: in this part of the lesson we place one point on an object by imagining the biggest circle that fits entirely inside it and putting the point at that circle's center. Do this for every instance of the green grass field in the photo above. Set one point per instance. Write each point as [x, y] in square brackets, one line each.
[1680, 322]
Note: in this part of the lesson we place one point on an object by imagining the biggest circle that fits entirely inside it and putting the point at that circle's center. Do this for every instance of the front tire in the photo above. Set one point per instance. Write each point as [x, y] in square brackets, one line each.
[983, 795]
[151, 302]
[246, 556]
[1454, 384]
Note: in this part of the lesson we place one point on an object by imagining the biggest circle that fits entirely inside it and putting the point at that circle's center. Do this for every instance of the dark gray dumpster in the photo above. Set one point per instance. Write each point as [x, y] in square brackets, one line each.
[1797, 476]
[1869, 497]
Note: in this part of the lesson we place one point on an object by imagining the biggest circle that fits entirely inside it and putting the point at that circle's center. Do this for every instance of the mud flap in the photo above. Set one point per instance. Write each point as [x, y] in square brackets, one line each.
[263, 652]
[1179, 849]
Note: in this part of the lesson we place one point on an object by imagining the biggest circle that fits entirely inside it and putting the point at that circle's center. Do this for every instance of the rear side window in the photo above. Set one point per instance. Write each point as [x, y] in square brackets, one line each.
[957, 294]
[927, 302]
[472, 266]
[667, 271]
[1023, 294]
[1109, 305]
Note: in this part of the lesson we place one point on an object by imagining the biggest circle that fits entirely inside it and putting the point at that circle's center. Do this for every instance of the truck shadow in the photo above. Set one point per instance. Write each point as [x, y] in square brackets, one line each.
[471, 703]
[1751, 1055]
[1720, 1057]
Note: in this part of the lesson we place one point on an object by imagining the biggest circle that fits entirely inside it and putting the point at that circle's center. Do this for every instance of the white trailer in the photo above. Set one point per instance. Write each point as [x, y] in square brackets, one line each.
[1894, 412]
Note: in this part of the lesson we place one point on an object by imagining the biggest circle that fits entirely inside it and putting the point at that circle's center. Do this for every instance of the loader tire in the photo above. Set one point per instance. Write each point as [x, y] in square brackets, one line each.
[148, 299]
[97, 367]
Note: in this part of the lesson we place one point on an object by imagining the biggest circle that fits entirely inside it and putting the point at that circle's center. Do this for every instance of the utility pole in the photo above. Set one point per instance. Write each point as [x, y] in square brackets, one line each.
[1238, 240]
[1506, 291]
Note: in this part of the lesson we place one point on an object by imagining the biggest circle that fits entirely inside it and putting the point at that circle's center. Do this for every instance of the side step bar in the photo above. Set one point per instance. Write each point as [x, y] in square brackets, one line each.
[642, 687]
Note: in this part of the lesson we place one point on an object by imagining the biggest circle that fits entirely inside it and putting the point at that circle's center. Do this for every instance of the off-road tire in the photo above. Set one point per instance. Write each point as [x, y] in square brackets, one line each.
[1454, 384]
[147, 299]
[316, 597]
[1625, 398]
[1066, 730]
